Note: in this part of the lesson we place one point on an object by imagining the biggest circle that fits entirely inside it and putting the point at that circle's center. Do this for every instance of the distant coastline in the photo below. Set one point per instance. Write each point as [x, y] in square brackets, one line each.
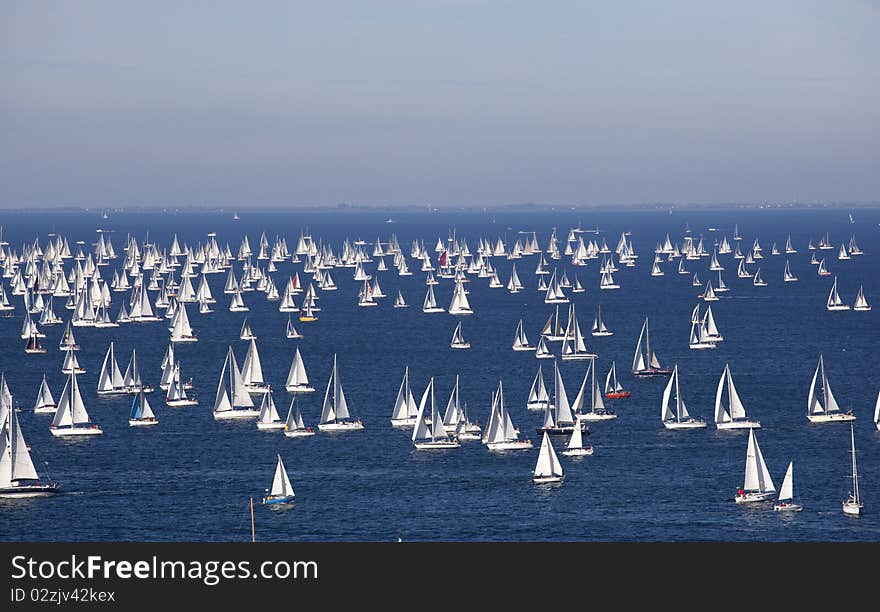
[425, 208]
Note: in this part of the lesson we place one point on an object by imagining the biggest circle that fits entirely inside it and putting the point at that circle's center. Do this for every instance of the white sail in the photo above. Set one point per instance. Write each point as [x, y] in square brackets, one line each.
[548, 463]
[757, 477]
[252, 370]
[786, 491]
[268, 411]
[281, 486]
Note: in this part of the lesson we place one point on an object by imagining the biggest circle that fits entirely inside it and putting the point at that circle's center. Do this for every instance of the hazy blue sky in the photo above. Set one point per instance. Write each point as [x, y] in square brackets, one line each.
[113, 103]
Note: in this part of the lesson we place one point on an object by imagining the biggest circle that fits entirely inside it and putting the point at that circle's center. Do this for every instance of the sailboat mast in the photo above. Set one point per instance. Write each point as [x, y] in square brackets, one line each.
[855, 476]
[648, 353]
[253, 533]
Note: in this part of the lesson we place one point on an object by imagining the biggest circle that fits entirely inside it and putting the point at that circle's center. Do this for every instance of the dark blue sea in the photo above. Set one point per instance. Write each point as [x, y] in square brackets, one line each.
[190, 478]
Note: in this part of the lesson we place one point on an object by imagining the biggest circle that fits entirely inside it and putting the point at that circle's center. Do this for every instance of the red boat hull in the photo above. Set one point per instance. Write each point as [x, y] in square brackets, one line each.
[619, 395]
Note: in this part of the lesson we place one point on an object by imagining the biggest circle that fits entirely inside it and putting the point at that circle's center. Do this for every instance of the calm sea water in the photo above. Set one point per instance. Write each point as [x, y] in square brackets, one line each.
[190, 478]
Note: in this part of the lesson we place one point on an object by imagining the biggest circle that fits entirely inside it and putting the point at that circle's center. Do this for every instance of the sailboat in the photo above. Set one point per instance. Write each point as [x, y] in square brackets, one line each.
[785, 502]
[33, 346]
[297, 379]
[430, 304]
[758, 485]
[539, 399]
[577, 348]
[246, 332]
[613, 389]
[405, 409]
[269, 418]
[71, 418]
[597, 410]
[110, 381]
[575, 446]
[294, 427]
[181, 331]
[68, 342]
[291, 331]
[708, 294]
[335, 415]
[599, 329]
[645, 362]
[18, 476]
[281, 491]
[542, 351]
[733, 414]
[558, 416]
[834, 302]
[787, 274]
[252, 371]
[458, 341]
[500, 433]
[399, 302]
[853, 504]
[429, 433]
[822, 270]
[141, 412]
[175, 394]
[456, 419]
[45, 403]
[520, 341]
[459, 304]
[71, 364]
[674, 413]
[232, 400]
[307, 313]
[861, 304]
[757, 281]
[823, 408]
[547, 469]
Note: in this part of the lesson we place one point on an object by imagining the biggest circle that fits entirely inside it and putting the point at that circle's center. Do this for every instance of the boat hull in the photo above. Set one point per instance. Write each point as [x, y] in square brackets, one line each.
[143, 422]
[80, 430]
[690, 424]
[852, 508]
[578, 452]
[230, 415]
[31, 490]
[546, 479]
[618, 395]
[437, 445]
[299, 433]
[182, 403]
[524, 348]
[408, 423]
[831, 418]
[511, 445]
[270, 426]
[754, 496]
[596, 416]
[268, 501]
[46, 410]
[299, 389]
[739, 425]
[650, 373]
[787, 507]
[351, 426]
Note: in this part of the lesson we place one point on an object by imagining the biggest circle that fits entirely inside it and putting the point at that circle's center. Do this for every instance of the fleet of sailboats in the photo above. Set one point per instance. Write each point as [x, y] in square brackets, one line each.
[169, 277]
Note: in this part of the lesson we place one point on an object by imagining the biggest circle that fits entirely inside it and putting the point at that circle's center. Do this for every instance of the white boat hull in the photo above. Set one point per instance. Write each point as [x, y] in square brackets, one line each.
[512, 445]
[523, 348]
[46, 410]
[299, 389]
[350, 426]
[852, 509]
[596, 416]
[579, 356]
[833, 308]
[142, 422]
[754, 496]
[578, 452]
[604, 334]
[465, 435]
[437, 445]
[463, 345]
[787, 507]
[408, 423]
[90, 430]
[542, 405]
[229, 415]
[546, 479]
[298, 433]
[270, 426]
[739, 425]
[690, 424]
[181, 403]
[833, 417]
